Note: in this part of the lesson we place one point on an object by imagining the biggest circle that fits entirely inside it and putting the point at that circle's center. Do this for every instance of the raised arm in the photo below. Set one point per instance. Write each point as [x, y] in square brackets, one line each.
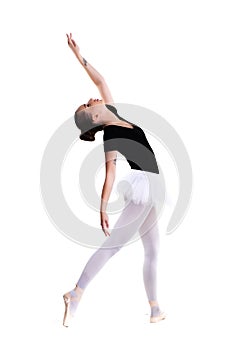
[95, 76]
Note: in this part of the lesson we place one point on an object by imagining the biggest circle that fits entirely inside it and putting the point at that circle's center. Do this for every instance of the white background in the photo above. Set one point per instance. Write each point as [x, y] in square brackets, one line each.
[174, 57]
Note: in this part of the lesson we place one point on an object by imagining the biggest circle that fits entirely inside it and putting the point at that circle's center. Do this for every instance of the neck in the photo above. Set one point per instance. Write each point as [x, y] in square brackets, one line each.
[110, 118]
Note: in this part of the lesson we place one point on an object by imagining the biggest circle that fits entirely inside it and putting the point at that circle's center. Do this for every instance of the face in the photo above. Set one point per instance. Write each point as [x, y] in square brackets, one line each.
[92, 102]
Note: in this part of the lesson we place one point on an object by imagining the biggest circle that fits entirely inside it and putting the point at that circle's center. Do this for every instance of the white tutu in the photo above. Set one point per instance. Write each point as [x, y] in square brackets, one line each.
[142, 187]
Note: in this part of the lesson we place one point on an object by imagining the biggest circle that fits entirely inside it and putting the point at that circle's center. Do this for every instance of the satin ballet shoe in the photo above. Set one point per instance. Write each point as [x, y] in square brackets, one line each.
[161, 316]
[71, 300]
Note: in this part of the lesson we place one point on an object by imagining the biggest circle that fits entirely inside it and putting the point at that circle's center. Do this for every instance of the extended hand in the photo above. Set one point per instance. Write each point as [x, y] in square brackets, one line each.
[104, 223]
[72, 44]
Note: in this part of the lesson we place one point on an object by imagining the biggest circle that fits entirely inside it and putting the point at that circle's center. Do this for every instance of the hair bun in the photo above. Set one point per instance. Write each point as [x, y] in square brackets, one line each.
[87, 136]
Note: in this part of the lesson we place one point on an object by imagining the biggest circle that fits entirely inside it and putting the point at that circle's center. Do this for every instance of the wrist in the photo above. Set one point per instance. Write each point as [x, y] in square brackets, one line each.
[103, 206]
[77, 54]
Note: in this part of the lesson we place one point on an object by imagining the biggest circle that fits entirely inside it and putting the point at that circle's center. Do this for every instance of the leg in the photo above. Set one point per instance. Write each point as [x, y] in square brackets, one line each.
[125, 227]
[149, 232]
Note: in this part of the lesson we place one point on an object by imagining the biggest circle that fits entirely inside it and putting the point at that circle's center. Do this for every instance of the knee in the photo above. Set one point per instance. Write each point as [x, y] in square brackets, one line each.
[114, 250]
[151, 254]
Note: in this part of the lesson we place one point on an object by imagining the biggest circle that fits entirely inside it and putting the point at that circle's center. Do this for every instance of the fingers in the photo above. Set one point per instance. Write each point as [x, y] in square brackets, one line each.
[106, 231]
[105, 227]
[69, 37]
[104, 222]
[73, 42]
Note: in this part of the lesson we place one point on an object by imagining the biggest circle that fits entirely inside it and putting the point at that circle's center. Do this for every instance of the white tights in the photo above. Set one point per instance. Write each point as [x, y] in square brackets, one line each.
[134, 218]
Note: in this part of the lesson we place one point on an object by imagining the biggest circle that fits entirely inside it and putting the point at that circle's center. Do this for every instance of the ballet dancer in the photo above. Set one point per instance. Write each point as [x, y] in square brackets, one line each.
[139, 212]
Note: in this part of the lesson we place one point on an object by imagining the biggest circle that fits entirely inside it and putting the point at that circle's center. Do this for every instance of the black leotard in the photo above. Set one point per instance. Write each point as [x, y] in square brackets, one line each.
[139, 153]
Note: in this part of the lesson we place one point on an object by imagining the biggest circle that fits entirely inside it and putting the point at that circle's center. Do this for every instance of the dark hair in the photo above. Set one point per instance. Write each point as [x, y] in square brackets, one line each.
[83, 120]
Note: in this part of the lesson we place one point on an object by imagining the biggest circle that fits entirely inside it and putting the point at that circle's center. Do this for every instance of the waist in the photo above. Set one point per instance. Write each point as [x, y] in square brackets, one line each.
[142, 172]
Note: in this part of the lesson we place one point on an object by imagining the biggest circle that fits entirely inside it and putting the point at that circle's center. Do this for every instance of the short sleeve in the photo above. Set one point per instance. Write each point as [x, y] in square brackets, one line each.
[110, 143]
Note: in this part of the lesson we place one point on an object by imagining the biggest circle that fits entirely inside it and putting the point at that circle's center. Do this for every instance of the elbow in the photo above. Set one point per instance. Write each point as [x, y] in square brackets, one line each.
[100, 81]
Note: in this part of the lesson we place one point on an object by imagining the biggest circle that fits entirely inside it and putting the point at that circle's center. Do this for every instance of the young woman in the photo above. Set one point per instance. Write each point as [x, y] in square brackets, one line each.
[140, 211]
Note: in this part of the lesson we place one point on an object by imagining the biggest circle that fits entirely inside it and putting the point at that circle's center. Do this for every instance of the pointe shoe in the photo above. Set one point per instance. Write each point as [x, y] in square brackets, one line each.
[161, 316]
[158, 318]
[71, 300]
[67, 315]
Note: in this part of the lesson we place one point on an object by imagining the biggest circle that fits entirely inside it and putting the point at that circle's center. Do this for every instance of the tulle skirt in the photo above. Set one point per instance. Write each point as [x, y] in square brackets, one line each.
[142, 187]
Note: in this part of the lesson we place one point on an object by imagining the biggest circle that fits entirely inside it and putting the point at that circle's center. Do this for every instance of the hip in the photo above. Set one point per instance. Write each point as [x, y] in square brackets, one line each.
[141, 186]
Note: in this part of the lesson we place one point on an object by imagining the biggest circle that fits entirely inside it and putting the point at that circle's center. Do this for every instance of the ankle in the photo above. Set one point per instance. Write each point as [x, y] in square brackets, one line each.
[153, 303]
[78, 290]
[155, 309]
